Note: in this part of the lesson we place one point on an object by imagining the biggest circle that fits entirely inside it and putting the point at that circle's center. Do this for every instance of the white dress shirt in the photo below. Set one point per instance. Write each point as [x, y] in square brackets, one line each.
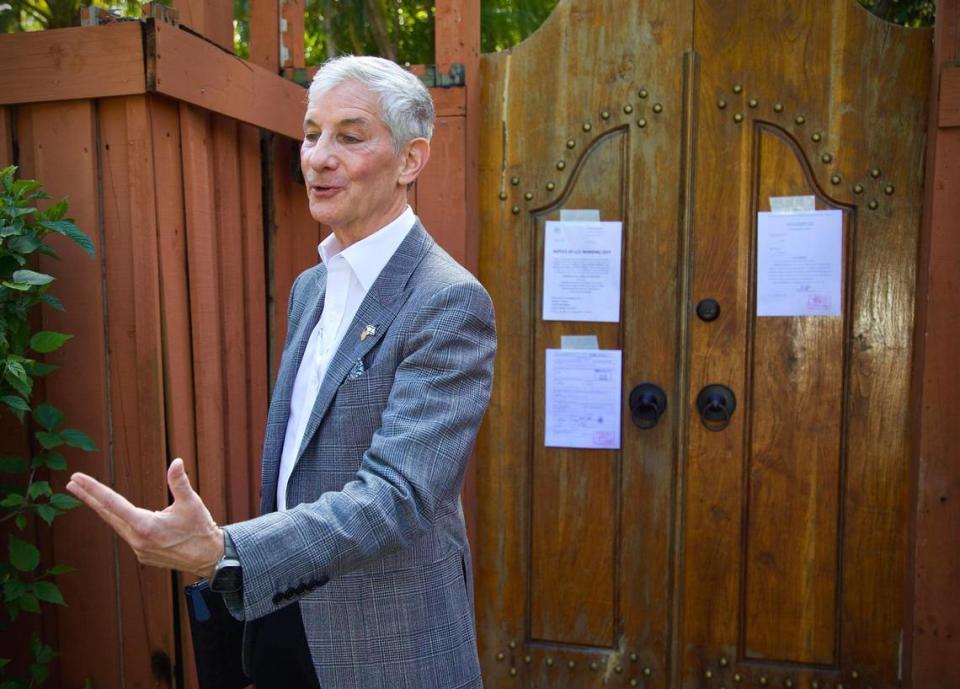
[351, 273]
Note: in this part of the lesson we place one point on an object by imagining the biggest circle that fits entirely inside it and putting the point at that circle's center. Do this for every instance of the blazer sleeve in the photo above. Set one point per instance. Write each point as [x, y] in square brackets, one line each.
[410, 476]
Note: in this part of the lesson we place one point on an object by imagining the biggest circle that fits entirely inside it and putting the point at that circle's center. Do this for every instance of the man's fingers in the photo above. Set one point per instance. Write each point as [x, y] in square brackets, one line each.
[108, 498]
[122, 527]
[177, 479]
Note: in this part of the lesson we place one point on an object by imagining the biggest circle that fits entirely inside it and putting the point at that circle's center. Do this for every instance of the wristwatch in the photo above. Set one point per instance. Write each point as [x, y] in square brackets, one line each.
[227, 574]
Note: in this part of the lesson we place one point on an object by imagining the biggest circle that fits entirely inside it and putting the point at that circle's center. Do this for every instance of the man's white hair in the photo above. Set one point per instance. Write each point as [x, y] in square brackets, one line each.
[406, 107]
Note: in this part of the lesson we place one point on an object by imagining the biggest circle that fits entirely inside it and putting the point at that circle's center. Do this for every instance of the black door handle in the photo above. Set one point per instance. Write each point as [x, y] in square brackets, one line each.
[716, 404]
[648, 401]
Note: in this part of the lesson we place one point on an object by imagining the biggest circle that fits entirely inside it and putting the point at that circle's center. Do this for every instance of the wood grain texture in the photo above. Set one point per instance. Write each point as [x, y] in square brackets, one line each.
[865, 121]
[226, 84]
[441, 188]
[293, 38]
[63, 64]
[546, 515]
[949, 97]
[137, 421]
[932, 606]
[203, 270]
[57, 145]
[6, 137]
[265, 34]
[212, 19]
[255, 305]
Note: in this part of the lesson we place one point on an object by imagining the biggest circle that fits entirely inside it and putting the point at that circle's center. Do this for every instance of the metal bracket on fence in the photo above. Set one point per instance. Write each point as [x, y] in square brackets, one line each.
[168, 15]
[434, 78]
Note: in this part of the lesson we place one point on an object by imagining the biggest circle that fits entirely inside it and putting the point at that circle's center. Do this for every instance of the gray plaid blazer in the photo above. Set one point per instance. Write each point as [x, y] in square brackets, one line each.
[373, 543]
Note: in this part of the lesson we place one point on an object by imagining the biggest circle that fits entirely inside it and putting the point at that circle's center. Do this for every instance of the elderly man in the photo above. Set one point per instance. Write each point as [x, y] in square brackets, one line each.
[357, 573]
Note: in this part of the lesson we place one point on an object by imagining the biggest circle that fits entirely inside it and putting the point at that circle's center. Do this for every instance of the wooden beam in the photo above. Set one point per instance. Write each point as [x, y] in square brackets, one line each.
[931, 642]
[291, 37]
[226, 85]
[66, 64]
[212, 19]
[265, 34]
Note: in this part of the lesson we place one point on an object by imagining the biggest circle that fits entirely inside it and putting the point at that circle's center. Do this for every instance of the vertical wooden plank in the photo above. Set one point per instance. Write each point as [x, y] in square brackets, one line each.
[291, 39]
[137, 420]
[203, 267]
[211, 18]
[254, 300]
[175, 316]
[931, 642]
[265, 34]
[58, 147]
[441, 188]
[229, 242]
[294, 239]
[6, 137]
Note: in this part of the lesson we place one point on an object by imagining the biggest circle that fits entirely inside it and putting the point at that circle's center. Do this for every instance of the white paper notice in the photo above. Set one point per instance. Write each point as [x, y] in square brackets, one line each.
[799, 263]
[583, 398]
[581, 271]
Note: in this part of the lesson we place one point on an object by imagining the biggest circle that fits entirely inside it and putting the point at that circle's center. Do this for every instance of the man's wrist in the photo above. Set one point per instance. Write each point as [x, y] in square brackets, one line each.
[218, 549]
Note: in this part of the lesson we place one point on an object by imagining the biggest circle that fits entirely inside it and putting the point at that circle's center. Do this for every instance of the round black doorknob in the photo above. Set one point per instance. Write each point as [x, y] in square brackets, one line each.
[716, 404]
[648, 401]
[708, 310]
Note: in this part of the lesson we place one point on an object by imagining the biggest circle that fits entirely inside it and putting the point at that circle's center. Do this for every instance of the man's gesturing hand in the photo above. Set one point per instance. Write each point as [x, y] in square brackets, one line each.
[183, 536]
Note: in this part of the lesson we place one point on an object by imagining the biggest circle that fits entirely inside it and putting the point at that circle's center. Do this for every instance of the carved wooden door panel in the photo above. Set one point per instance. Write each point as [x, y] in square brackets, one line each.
[771, 552]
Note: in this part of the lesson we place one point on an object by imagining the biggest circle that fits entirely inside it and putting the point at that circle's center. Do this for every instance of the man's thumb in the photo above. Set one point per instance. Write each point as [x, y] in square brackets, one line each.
[178, 481]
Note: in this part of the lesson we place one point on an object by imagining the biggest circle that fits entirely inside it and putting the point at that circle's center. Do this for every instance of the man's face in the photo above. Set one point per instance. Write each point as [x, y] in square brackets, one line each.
[352, 173]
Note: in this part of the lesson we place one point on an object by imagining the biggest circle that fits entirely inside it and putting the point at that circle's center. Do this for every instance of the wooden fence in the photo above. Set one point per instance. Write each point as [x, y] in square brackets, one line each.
[180, 161]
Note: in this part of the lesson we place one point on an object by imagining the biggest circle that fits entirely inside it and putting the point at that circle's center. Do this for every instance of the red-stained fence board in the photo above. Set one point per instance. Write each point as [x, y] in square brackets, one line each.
[136, 377]
[57, 146]
[255, 303]
[6, 138]
[441, 188]
[205, 314]
[229, 243]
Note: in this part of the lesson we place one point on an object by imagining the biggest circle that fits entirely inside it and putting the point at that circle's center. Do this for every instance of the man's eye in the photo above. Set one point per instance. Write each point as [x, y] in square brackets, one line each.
[348, 139]
[311, 137]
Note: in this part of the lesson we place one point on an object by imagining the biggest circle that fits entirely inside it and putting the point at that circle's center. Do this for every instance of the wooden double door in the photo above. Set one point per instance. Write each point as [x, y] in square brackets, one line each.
[771, 553]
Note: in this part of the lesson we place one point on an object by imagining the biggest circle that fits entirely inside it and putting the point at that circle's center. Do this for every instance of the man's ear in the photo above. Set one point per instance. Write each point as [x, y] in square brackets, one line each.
[415, 154]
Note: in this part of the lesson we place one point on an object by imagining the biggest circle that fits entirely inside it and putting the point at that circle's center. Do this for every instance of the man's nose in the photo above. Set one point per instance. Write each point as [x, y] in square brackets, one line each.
[320, 154]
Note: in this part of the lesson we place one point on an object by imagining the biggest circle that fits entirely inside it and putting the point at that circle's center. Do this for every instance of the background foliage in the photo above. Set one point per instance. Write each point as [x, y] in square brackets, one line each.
[27, 498]
[399, 29]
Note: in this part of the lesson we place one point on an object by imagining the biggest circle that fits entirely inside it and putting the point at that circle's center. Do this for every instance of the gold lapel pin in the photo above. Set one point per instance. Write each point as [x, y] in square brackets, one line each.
[367, 332]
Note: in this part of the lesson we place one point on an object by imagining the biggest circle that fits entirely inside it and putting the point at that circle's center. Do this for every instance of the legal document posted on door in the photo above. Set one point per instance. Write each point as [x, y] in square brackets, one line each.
[582, 404]
[581, 271]
[799, 263]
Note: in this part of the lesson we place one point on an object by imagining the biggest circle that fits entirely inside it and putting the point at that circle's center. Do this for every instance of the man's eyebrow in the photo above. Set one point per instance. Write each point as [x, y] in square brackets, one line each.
[348, 121]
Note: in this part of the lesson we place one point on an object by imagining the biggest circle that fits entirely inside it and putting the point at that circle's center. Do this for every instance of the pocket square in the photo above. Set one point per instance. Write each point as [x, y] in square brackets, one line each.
[357, 370]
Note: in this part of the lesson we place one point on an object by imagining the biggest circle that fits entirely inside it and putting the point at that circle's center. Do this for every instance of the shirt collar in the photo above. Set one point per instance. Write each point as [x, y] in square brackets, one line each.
[368, 257]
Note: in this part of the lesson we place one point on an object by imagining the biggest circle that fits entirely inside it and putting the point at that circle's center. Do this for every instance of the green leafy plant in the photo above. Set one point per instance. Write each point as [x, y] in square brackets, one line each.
[25, 491]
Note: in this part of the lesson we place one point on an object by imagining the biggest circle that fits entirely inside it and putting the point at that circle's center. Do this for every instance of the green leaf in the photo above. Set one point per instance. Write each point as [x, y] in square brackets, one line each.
[46, 512]
[48, 592]
[4, 662]
[42, 653]
[49, 440]
[32, 277]
[16, 375]
[52, 301]
[12, 500]
[75, 438]
[19, 286]
[29, 603]
[62, 501]
[12, 465]
[40, 369]
[39, 672]
[18, 212]
[48, 416]
[57, 570]
[38, 489]
[56, 210]
[13, 589]
[24, 244]
[68, 229]
[24, 556]
[47, 341]
[54, 460]
[16, 403]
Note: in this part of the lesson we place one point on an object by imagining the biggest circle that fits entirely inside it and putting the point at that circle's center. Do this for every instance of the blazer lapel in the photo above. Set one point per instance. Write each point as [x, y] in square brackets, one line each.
[279, 413]
[378, 309]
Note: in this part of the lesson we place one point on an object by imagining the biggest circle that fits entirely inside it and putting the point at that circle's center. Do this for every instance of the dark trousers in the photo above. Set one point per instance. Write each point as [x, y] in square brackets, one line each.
[280, 658]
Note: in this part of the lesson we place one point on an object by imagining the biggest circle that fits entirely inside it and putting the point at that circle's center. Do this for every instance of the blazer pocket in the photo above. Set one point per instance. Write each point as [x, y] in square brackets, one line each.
[368, 388]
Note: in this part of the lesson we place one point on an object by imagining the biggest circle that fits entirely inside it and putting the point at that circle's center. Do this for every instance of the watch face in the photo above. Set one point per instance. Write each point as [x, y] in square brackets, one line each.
[227, 577]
